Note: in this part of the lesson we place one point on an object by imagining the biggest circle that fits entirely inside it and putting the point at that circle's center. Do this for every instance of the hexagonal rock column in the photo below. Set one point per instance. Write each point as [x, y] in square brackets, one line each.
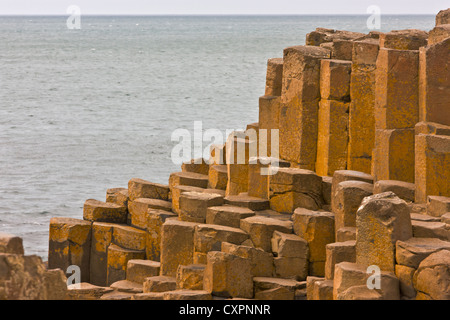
[99, 211]
[261, 228]
[190, 277]
[227, 215]
[139, 270]
[438, 206]
[317, 228]
[138, 209]
[434, 83]
[291, 188]
[351, 278]
[118, 260]
[196, 165]
[332, 143]
[239, 149]
[177, 245]
[409, 39]
[218, 176]
[292, 255]
[139, 188]
[274, 77]
[101, 239]
[403, 190]
[347, 199]
[361, 130]
[227, 275]
[432, 166]
[269, 119]
[70, 244]
[261, 261]
[117, 196]
[209, 237]
[338, 252]
[300, 103]
[10, 244]
[194, 205]
[381, 221]
[432, 278]
[346, 175]
[156, 219]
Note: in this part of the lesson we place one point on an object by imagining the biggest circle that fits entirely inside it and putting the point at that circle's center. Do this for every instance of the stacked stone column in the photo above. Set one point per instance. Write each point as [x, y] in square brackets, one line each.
[332, 143]
[300, 105]
[396, 113]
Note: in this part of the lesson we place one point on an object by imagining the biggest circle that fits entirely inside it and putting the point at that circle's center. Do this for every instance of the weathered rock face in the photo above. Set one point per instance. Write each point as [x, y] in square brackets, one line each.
[139, 188]
[260, 230]
[228, 275]
[410, 39]
[177, 246]
[354, 277]
[432, 278]
[381, 221]
[70, 244]
[443, 17]
[274, 77]
[293, 188]
[10, 244]
[299, 104]
[434, 83]
[317, 228]
[362, 107]
[432, 166]
[99, 211]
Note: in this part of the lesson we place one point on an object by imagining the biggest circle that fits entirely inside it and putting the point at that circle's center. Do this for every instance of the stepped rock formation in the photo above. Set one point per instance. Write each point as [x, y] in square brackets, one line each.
[358, 208]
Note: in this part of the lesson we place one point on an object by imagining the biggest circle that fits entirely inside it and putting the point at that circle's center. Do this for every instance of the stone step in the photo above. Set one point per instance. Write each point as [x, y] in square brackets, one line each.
[148, 296]
[413, 251]
[261, 229]
[128, 237]
[138, 210]
[159, 284]
[10, 244]
[118, 260]
[127, 286]
[209, 237]
[86, 291]
[117, 196]
[263, 284]
[99, 211]
[117, 295]
[176, 193]
[218, 177]
[139, 270]
[227, 215]
[187, 295]
[190, 277]
[194, 205]
[188, 179]
[426, 229]
[139, 188]
[196, 166]
[245, 201]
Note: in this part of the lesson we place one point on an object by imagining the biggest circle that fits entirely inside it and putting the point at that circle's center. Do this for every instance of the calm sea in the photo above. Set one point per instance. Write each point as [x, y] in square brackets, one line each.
[86, 110]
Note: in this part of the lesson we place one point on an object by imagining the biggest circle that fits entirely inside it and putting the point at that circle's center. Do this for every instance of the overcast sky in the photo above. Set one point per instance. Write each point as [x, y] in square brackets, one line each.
[222, 6]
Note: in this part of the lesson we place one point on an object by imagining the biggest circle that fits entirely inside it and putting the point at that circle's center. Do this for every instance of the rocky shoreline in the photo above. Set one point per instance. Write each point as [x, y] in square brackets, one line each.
[351, 201]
